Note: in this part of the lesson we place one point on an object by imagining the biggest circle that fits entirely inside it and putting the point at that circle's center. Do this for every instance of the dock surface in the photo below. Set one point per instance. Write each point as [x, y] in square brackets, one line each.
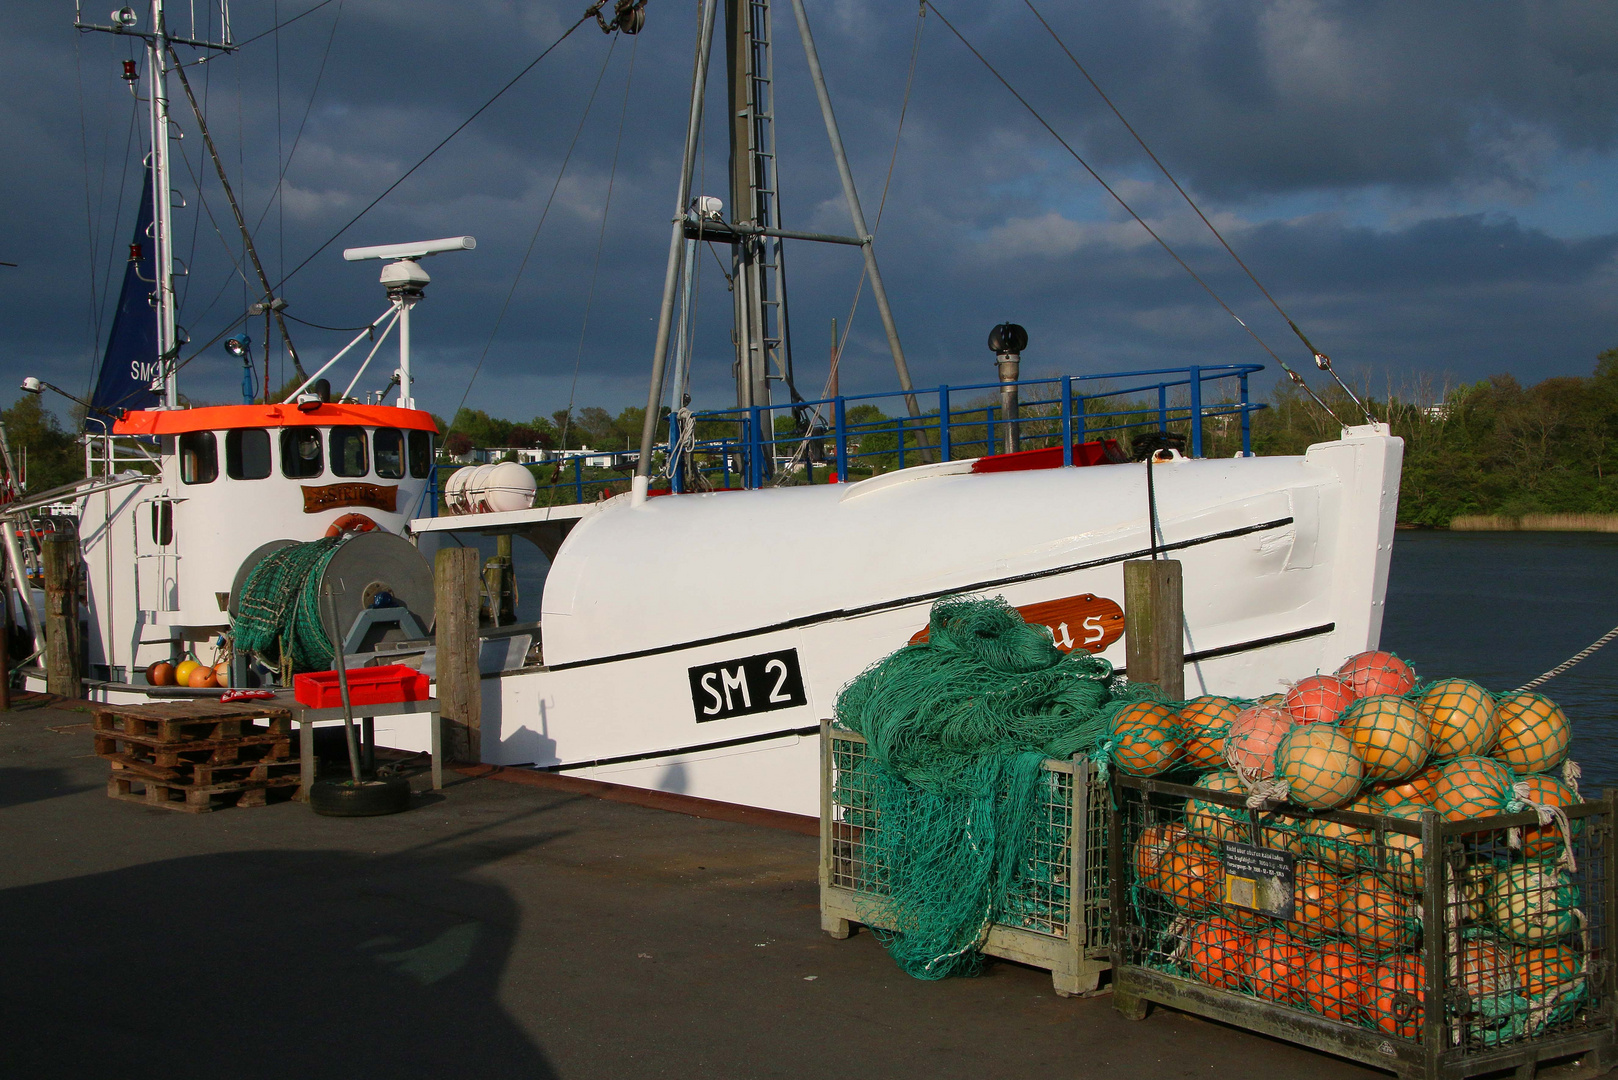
[494, 930]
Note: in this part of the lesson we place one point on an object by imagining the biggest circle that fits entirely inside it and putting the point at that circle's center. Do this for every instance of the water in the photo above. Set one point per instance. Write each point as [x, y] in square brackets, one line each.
[1501, 608]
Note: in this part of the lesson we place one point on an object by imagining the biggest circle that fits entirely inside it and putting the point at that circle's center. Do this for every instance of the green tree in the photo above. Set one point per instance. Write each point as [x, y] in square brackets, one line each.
[48, 456]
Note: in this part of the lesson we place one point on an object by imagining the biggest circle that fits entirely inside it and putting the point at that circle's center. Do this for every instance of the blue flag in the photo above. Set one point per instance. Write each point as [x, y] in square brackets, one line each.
[130, 362]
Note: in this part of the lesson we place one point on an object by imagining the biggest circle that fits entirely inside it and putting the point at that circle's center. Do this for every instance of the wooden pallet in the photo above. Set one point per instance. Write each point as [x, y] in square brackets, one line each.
[196, 798]
[189, 721]
[206, 774]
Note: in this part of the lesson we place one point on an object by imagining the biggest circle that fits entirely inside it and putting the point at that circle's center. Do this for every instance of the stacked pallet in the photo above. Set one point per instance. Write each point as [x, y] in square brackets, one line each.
[196, 756]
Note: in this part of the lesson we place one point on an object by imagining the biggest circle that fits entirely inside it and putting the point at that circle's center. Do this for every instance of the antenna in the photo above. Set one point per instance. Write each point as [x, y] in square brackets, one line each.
[419, 249]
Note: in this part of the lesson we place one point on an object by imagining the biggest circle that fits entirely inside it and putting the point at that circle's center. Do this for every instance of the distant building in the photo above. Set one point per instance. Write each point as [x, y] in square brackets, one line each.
[529, 455]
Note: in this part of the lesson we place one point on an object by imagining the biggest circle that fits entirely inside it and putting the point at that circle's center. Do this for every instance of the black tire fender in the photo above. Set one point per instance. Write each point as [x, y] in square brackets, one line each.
[368, 798]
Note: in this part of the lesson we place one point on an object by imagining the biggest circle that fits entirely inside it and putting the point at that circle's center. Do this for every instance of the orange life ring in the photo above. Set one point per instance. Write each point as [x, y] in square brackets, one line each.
[351, 523]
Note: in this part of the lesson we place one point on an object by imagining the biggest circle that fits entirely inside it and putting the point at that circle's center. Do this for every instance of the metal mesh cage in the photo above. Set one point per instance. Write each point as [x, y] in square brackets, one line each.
[1338, 929]
[1046, 922]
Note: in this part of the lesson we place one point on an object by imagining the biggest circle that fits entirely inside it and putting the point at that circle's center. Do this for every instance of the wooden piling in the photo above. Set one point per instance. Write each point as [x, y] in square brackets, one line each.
[1154, 624]
[5, 627]
[62, 672]
[456, 581]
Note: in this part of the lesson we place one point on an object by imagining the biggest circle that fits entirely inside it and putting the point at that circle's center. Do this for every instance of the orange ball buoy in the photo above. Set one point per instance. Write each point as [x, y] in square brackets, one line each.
[1471, 787]
[1333, 981]
[1399, 857]
[1344, 848]
[1376, 672]
[1461, 716]
[1274, 966]
[1317, 899]
[1412, 792]
[1214, 951]
[201, 678]
[1216, 821]
[160, 674]
[1395, 999]
[1254, 735]
[1154, 843]
[1389, 734]
[1484, 968]
[1145, 738]
[182, 672]
[1534, 733]
[1380, 920]
[1319, 764]
[1543, 969]
[1318, 699]
[1191, 875]
[1539, 841]
[1205, 721]
[221, 673]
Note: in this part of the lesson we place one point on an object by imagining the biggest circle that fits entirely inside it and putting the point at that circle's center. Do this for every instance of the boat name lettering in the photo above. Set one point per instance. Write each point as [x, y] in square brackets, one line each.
[332, 496]
[753, 684]
[1088, 622]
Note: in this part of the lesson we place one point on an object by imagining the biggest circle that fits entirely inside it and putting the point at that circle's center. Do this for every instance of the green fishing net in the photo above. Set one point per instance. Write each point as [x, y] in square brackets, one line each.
[279, 607]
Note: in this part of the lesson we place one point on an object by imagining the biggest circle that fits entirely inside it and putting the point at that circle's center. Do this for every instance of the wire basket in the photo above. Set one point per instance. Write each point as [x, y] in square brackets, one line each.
[1342, 932]
[1046, 924]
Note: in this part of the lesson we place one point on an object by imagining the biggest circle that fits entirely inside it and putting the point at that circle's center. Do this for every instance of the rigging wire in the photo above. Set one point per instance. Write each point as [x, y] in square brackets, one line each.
[601, 239]
[1320, 358]
[279, 26]
[532, 240]
[89, 211]
[318, 326]
[320, 73]
[442, 143]
[1296, 378]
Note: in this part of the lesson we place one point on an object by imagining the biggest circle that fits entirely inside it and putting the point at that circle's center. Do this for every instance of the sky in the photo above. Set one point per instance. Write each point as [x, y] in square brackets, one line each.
[1427, 190]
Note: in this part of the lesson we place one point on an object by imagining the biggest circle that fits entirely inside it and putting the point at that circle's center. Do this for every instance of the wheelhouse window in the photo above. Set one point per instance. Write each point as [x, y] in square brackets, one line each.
[247, 454]
[300, 453]
[199, 457]
[348, 451]
[389, 446]
[421, 454]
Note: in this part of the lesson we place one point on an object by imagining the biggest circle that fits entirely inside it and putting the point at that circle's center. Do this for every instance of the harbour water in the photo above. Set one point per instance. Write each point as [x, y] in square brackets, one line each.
[1501, 608]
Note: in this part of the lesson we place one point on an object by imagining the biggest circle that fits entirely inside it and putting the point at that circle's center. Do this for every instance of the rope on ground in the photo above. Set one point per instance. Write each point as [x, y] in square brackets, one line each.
[1569, 662]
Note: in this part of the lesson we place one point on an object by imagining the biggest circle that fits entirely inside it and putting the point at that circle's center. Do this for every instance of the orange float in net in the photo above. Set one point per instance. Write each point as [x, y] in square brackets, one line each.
[1274, 966]
[1412, 792]
[1544, 969]
[1334, 981]
[1343, 848]
[1214, 820]
[1376, 672]
[1318, 699]
[1389, 734]
[1145, 738]
[1150, 850]
[1380, 920]
[1461, 716]
[1534, 733]
[1317, 899]
[1191, 874]
[1467, 788]
[1540, 841]
[1205, 721]
[1254, 735]
[1399, 857]
[1214, 951]
[1484, 967]
[1395, 997]
[1319, 764]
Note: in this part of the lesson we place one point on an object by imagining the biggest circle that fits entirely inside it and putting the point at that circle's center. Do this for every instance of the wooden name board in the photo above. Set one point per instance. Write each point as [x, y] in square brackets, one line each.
[333, 496]
[1088, 622]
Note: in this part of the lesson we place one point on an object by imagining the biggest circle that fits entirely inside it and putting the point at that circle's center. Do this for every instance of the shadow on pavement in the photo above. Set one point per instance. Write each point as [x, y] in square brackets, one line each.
[265, 964]
[20, 784]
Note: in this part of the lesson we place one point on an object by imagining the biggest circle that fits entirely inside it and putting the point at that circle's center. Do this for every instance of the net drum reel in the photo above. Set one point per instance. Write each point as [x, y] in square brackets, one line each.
[381, 589]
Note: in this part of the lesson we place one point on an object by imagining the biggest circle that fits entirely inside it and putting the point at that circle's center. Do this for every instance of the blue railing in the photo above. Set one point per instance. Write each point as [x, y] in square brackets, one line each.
[742, 447]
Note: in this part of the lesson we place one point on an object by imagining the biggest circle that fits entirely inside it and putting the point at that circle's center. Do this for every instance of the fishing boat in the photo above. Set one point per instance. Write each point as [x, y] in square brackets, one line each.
[694, 629]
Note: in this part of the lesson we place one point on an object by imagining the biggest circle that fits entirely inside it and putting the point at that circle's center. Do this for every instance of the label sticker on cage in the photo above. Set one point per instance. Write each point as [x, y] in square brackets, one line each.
[1259, 879]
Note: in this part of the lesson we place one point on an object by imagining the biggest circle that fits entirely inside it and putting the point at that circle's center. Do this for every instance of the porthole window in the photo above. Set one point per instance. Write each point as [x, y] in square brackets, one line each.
[199, 457]
[301, 456]
[247, 454]
[348, 451]
[389, 446]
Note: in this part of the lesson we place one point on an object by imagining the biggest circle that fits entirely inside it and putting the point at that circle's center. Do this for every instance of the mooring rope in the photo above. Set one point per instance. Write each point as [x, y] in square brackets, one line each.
[1569, 662]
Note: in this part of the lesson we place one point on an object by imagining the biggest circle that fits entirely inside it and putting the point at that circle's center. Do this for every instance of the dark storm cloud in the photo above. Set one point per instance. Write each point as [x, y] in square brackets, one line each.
[1426, 114]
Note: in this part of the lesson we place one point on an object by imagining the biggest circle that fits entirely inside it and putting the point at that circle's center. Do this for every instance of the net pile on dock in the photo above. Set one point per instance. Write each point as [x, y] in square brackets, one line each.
[1517, 915]
[958, 728]
[278, 612]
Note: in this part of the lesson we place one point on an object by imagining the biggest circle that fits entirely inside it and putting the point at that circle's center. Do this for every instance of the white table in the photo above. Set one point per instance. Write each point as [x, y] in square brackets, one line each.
[307, 717]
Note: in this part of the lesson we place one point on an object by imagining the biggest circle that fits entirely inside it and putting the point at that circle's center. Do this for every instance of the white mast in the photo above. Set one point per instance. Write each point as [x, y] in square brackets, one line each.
[162, 204]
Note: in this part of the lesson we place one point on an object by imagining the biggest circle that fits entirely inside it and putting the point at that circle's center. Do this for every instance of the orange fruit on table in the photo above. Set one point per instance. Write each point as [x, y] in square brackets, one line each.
[1461, 716]
[1467, 788]
[1191, 875]
[1317, 899]
[1539, 841]
[1543, 969]
[1274, 966]
[1254, 735]
[1205, 722]
[1380, 920]
[1334, 981]
[182, 672]
[1319, 764]
[1395, 999]
[1217, 821]
[1389, 734]
[1376, 672]
[1214, 951]
[1318, 699]
[1534, 733]
[1154, 843]
[1145, 738]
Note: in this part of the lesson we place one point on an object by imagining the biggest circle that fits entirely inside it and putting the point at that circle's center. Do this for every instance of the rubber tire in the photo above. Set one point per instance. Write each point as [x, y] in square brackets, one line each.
[369, 798]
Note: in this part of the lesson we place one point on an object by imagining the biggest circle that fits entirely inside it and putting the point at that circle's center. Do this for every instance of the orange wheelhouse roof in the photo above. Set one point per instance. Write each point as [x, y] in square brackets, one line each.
[225, 417]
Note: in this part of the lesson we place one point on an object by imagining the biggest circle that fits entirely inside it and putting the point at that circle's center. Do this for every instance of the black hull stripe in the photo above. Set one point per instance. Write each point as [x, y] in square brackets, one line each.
[1206, 654]
[921, 598]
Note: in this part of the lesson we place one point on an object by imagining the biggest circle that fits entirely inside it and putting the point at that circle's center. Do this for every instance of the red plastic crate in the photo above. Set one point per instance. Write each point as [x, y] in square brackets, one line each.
[366, 686]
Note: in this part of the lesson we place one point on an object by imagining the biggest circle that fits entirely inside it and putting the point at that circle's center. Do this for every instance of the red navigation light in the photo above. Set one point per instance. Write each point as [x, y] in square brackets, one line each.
[130, 72]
